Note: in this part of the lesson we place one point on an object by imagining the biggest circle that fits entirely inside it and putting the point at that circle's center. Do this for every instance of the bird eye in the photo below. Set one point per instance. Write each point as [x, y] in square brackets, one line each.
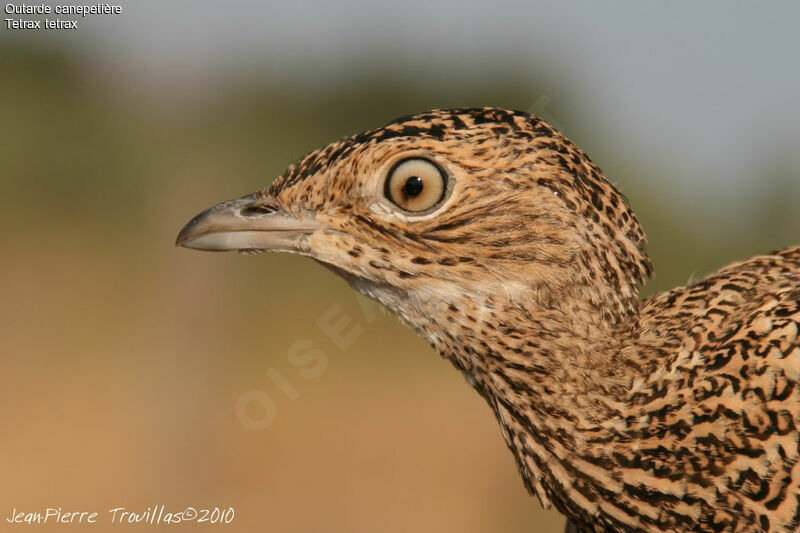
[415, 185]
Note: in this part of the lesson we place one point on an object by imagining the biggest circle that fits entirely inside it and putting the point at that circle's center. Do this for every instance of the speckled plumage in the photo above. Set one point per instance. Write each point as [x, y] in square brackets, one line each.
[676, 413]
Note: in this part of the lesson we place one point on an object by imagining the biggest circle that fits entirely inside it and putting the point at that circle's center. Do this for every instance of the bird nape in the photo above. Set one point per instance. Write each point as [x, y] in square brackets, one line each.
[505, 247]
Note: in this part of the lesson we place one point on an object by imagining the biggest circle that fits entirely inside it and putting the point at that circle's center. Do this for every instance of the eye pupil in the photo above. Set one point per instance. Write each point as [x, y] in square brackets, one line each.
[413, 186]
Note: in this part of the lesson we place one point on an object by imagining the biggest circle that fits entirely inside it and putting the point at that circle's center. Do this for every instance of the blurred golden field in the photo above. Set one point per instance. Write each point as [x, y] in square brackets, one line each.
[123, 359]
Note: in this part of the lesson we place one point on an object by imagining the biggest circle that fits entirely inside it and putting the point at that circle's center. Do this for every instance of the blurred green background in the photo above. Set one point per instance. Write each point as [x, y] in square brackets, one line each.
[125, 362]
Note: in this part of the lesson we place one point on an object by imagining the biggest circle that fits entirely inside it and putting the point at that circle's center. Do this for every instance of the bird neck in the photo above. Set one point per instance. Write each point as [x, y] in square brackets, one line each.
[556, 374]
[562, 351]
[555, 371]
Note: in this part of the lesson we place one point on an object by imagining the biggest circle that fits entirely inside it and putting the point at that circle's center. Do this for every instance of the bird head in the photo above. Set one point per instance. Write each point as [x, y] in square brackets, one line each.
[447, 205]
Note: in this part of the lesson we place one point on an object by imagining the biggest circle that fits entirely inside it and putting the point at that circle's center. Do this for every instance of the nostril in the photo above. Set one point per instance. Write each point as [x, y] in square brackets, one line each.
[257, 210]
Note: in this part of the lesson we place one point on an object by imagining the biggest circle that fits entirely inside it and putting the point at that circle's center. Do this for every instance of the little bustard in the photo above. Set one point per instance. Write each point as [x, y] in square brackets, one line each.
[505, 247]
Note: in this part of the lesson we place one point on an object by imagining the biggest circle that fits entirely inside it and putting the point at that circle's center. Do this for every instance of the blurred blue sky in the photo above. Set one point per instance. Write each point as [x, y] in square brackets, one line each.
[709, 88]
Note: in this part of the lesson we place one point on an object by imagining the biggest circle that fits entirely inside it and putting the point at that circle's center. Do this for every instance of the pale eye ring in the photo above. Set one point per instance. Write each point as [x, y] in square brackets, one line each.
[415, 185]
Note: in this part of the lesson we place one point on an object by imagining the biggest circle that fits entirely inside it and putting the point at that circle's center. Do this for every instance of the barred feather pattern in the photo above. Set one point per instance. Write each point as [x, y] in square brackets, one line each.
[674, 413]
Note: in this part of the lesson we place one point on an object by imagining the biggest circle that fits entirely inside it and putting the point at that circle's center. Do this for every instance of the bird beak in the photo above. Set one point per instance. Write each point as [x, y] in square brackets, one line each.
[255, 222]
